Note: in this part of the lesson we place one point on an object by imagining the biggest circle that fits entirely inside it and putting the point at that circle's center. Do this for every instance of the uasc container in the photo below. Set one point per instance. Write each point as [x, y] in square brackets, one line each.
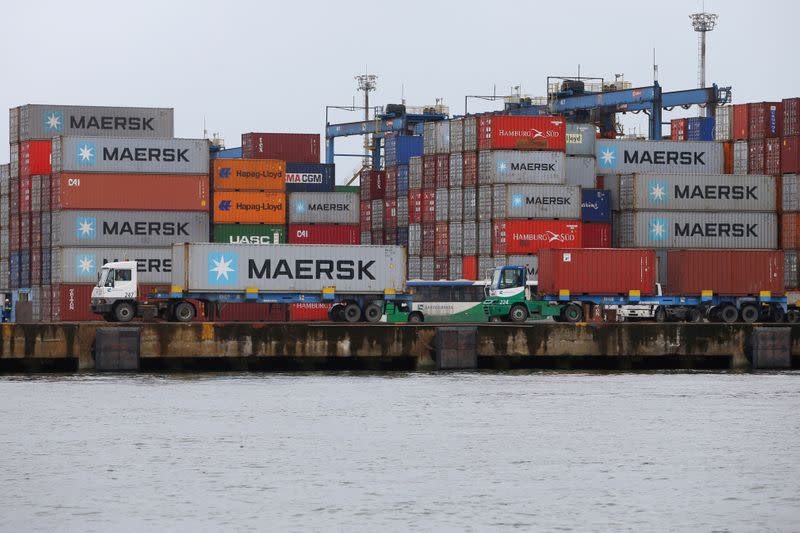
[725, 272]
[601, 271]
[249, 233]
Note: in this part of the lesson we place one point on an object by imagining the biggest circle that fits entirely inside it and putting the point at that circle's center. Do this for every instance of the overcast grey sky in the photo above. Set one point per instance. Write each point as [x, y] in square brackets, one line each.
[274, 66]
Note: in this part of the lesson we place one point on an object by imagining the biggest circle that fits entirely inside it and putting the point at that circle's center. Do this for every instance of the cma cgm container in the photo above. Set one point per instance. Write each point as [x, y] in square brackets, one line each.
[310, 177]
[725, 272]
[323, 208]
[206, 267]
[698, 229]
[127, 228]
[141, 156]
[536, 201]
[714, 192]
[130, 192]
[249, 233]
[46, 121]
[248, 174]
[663, 157]
[294, 147]
[81, 264]
[250, 207]
[530, 236]
[608, 271]
[323, 234]
[506, 132]
[508, 166]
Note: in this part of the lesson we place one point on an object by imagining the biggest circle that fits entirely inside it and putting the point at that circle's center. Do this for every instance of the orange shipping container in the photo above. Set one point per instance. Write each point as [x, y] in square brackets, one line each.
[790, 231]
[250, 207]
[249, 174]
[727, 151]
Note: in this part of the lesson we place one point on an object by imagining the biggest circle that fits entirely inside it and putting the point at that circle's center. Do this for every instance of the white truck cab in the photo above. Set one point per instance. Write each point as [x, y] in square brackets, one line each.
[116, 292]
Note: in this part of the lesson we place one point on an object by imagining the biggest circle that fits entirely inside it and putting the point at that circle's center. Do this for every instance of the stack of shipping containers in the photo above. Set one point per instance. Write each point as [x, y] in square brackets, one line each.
[790, 198]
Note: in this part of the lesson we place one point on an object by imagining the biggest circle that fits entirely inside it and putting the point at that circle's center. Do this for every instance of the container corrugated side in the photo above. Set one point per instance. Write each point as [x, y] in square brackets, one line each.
[249, 233]
[581, 139]
[580, 170]
[725, 272]
[790, 195]
[248, 174]
[529, 236]
[659, 157]
[293, 147]
[536, 201]
[323, 208]
[723, 129]
[45, 121]
[530, 262]
[741, 156]
[127, 228]
[603, 271]
[508, 166]
[250, 207]
[81, 264]
[323, 234]
[140, 156]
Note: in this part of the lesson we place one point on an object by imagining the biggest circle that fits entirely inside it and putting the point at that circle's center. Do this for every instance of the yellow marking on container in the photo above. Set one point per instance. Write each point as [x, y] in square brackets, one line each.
[563, 292]
[706, 293]
[251, 290]
[176, 288]
[328, 290]
[207, 333]
[635, 292]
[389, 291]
[765, 294]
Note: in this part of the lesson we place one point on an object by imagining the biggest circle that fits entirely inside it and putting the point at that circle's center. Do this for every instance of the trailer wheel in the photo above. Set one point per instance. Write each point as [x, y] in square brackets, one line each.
[793, 316]
[728, 314]
[123, 312]
[184, 312]
[661, 314]
[572, 313]
[777, 314]
[336, 313]
[416, 318]
[373, 312]
[518, 314]
[352, 312]
[749, 313]
[694, 315]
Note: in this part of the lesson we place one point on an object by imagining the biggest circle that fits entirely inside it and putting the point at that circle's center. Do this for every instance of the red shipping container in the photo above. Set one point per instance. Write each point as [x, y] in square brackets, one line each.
[13, 233]
[678, 129]
[506, 132]
[390, 214]
[414, 206]
[24, 194]
[441, 246]
[366, 215]
[377, 184]
[596, 235]
[789, 231]
[725, 272]
[390, 236]
[34, 158]
[530, 236]
[790, 155]
[606, 271]
[772, 156]
[391, 183]
[290, 147]
[324, 234]
[36, 265]
[755, 157]
[765, 120]
[377, 236]
[470, 171]
[469, 267]
[252, 312]
[741, 122]
[428, 239]
[791, 117]
[428, 205]
[441, 268]
[429, 172]
[309, 312]
[442, 171]
[727, 154]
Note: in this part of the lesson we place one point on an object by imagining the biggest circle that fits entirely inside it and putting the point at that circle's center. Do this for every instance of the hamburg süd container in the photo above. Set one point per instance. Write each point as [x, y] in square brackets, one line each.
[601, 271]
[725, 272]
[248, 174]
[596, 205]
[309, 312]
[530, 236]
[250, 207]
[698, 229]
[46, 121]
[81, 264]
[580, 139]
[510, 132]
[249, 233]
[127, 228]
[295, 268]
[323, 234]
[130, 192]
[323, 208]
[659, 157]
[136, 156]
[310, 177]
[508, 166]
[290, 147]
[711, 192]
[536, 201]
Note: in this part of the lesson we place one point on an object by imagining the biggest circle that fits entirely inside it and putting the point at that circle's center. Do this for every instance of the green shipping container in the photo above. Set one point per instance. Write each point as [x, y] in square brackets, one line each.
[347, 188]
[250, 233]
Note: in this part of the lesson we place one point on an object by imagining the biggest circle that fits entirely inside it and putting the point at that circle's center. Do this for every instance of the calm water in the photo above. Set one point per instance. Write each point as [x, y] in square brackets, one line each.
[397, 452]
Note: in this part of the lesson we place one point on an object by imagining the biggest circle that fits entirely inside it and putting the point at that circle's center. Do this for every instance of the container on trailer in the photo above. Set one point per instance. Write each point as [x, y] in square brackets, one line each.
[249, 233]
[765, 120]
[402, 180]
[666, 157]
[127, 228]
[470, 238]
[455, 205]
[509, 132]
[46, 121]
[536, 201]
[309, 312]
[248, 174]
[507, 166]
[400, 148]
[741, 122]
[294, 147]
[81, 264]
[791, 117]
[580, 170]
[253, 312]
[456, 168]
[530, 262]
[597, 235]
[415, 173]
[723, 126]
[741, 155]
[323, 208]
[429, 172]
[470, 212]
[442, 132]
[698, 229]
[608, 271]
[530, 236]
[470, 133]
[677, 130]
[250, 207]
[456, 135]
[469, 170]
[71, 302]
[124, 155]
[442, 171]
[725, 272]
[34, 157]
[456, 238]
[580, 139]
[790, 154]
[323, 234]
[311, 177]
[700, 129]
[711, 192]
[596, 205]
[772, 156]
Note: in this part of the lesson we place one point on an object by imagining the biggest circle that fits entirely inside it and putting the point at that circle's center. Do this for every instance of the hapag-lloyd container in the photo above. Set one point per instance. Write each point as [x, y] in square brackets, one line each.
[127, 228]
[580, 139]
[323, 208]
[712, 192]
[296, 267]
[536, 201]
[659, 157]
[248, 174]
[81, 264]
[507, 166]
[46, 121]
[725, 272]
[249, 233]
[249, 207]
[324, 234]
[530, 236]
[507, 132]
[698, 229]
[530, 262]
[294, 147]
[123, 155]
[310, 177]
[597, 235]
[610, 271]
[596, 205]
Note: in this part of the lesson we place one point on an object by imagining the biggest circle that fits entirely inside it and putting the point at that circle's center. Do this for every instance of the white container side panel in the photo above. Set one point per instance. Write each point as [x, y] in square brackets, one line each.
[456, 169]
[693, 229]
[723, 124]
[127, 228]
[581, 139]
[790, 197]
[470, 238]
[741, 155]
[442, 132]
[292, 268]
[580, 170]
[81, 264]
[324, 208]
[47, 121]
[442, 207]
[456, 135]
[470, 134]
[659, 157]
[455, 205]
[511, 166]
[689, 192]
[530, 262]
[536, 201]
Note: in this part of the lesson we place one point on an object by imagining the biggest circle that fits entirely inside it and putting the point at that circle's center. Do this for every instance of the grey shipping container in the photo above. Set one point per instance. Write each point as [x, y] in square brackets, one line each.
[536, 201]
[487, 264]
[289, 268]
[510, 166]
[426, 268]
[456, 267]
[691, 192]
[442, 130]
[611, 183]
[13, 125]
[581, 139]
[615, 226]
[723, 123]
[456, 169]
[5, 176]
[414, 267]
[81, 264]
[377, 214]
[470, 134]
[46, 121]
[366, 237]
[127, 228]
[402, 211]
[415, 239]
[659, 157]
[790, 198]
[530, 262]
[324, 208]
[698, 229]
[484, 202]
[470, 204]
[442, 201]
[456, 238]
[741, 155]
[470, 238]
[455, 205]
[456, 137]
[5, 210]
[580, 171]
[415, 172]
[484, 238]
[36, 192]
[429, 138]
[790, 266]
[123, 155]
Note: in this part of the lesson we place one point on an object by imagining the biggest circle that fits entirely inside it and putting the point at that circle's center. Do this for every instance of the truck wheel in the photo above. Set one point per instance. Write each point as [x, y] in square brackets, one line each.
[793, 316]
[728, 314]
[124, 312]
[416, 318]
[352, 312]
[336, 313]
[572, 313]
[694, 315]
[373, 312]
[777, 314]
[518, 314]
[749, 313]
[660, 315]
[184, 312]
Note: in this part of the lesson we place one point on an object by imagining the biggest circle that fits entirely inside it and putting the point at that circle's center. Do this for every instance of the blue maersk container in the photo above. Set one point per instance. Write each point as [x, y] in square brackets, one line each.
[596, 205]
[400, 148]
[402, 179]
[700, 129]
[310, 177]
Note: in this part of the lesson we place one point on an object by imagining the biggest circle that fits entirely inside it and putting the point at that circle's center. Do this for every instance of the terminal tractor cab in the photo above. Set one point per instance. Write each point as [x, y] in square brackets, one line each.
[510, 297]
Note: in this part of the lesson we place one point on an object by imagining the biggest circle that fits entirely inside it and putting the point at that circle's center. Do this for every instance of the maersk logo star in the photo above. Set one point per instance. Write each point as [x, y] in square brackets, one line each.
[86, 153]
[502, 167]
[86, 228]
[516, 200]
[300, 207]
[54, 121]
[657, 192]
[658, 229]
[607, 157]
[222, 268]
[85, 265]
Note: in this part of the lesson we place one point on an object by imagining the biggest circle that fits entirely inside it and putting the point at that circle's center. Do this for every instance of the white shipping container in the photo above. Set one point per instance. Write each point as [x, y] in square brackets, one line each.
[723, 123]
[456, 238]
[442, 208]
[47, 121]
[484, 202]
[81, 264]
[13, 125]
[442, 130]
[470, 204]
[581, 171]
[531, 264]
[324, 208]
[470, 238]
[741, 155]
[659, 157]
[429, 138]
[511, 166]
[470, 134]
[790, 197]
[536, 201]
[581, 139]
[414, 239]
[125, 228]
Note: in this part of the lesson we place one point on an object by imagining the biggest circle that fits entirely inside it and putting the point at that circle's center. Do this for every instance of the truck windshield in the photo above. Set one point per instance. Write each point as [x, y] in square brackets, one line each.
[507, 278]
[103, 277]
